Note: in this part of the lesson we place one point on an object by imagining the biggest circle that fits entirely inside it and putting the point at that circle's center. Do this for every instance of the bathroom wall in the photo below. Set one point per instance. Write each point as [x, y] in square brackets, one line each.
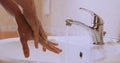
[108, 9]
[8, 27]
[6, 20]
[53, 14]
[43, 10]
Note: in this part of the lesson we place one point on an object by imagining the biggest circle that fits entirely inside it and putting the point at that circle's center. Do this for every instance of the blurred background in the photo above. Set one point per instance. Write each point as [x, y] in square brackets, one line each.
[53, 13]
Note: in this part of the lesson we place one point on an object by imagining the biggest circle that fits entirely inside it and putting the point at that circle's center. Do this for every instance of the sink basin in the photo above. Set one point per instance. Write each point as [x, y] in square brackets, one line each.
[11, 51]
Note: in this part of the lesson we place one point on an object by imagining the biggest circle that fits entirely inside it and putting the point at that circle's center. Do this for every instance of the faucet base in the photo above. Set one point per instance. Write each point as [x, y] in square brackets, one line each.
[98, 43]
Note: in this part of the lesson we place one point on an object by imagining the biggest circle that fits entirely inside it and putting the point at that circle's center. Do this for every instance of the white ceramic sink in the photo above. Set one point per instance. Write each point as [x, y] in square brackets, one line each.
[11, 51]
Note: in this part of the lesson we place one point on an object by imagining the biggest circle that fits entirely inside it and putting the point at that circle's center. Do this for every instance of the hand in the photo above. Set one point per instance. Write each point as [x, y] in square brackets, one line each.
[26, 34]
[29, 29]
[33, 30]
[50, 45]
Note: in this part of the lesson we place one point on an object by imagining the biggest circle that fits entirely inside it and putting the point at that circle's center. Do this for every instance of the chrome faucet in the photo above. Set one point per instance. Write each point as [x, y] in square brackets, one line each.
[96, 31]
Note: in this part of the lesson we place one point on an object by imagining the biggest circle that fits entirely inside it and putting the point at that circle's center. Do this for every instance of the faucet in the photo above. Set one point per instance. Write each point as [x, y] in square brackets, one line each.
[96, 31]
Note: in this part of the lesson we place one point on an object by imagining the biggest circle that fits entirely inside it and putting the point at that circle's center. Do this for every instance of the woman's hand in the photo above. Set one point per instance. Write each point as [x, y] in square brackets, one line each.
[26, 34]
[29, 27]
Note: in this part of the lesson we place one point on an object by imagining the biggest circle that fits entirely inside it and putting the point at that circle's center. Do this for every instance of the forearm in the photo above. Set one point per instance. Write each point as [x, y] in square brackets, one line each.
[29, 11]
[11, 7]
[25, 31]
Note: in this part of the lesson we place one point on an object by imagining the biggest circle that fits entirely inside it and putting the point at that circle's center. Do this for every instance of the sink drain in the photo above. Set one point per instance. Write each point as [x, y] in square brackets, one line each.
[81, 54]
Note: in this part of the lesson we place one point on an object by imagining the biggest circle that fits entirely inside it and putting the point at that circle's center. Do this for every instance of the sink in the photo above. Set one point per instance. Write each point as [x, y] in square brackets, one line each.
[11, 51]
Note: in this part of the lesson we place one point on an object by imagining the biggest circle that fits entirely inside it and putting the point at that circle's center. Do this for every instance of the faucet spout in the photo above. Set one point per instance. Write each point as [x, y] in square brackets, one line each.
[96, 31]
[93, 33]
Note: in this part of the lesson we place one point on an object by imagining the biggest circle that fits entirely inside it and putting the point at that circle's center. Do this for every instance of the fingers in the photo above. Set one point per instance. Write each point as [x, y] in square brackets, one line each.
[44, 49]
[25, 47]
[36, 39]
[41, 31]
[54, 49]
[50, 46]
[50, 43]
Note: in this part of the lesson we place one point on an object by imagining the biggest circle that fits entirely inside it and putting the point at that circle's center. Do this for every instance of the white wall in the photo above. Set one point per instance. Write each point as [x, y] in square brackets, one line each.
[108, 9]
[6, 21]
[60, 10]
